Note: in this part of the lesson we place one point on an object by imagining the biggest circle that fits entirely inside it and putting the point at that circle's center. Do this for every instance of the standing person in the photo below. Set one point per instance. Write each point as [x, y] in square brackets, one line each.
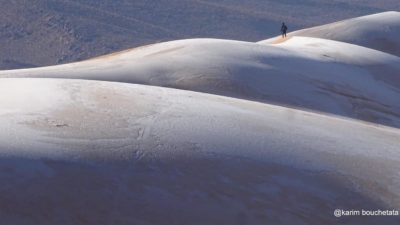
[284, 30]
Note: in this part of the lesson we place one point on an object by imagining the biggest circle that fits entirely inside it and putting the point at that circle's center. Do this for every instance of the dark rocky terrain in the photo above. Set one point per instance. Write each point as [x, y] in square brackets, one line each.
[47, 32]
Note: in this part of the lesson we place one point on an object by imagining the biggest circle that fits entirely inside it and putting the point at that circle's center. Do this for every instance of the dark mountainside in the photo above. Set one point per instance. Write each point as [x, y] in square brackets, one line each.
[47, 32]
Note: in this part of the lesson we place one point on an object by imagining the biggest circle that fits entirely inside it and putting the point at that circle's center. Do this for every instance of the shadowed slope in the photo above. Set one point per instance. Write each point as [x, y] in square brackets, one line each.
[101, 152]
[310, 73]
[48, 32]
[379, 31]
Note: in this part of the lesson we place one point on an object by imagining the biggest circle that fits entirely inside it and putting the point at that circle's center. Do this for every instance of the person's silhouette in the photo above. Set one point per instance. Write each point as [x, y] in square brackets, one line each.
[283, 30]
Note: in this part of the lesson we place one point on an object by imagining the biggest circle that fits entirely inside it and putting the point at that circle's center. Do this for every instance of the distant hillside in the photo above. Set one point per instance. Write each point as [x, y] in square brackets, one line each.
[48, 32]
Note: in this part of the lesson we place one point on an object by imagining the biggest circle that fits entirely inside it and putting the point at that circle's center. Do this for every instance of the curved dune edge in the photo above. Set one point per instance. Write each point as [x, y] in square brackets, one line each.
[94, 151]
[309, 73]
[133, 150]
[116, 54]
[279, 40]
[378, 31]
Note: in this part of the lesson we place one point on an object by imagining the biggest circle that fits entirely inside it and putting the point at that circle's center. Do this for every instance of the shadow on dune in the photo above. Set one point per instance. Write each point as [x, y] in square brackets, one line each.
[324, 83]
[203, 189]
[369, 95]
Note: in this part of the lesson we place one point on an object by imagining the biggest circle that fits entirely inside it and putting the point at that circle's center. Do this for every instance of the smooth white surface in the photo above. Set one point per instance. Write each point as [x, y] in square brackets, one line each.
[378, 31]
[315, 74]
[96, 150]
[74, 151]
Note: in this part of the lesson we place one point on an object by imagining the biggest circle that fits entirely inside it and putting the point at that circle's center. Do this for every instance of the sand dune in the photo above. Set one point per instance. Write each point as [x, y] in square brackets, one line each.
[146, 155]
[261, 132]
[379, 31]
[315, 74]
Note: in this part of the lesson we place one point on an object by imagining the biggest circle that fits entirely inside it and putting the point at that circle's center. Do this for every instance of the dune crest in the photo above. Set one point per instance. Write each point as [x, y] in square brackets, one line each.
[379, 31]
[307, 73]
[284, 132]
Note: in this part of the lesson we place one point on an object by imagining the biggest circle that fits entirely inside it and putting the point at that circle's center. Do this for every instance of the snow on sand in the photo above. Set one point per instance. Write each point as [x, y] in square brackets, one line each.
[99, 152]
[315, 74]
[379, 31]
[76, 151]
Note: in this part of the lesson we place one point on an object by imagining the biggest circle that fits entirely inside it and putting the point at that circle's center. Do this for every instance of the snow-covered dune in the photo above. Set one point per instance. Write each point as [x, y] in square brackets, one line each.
[379, 31]
[310, 73]
[90, 152]
[271, 138]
